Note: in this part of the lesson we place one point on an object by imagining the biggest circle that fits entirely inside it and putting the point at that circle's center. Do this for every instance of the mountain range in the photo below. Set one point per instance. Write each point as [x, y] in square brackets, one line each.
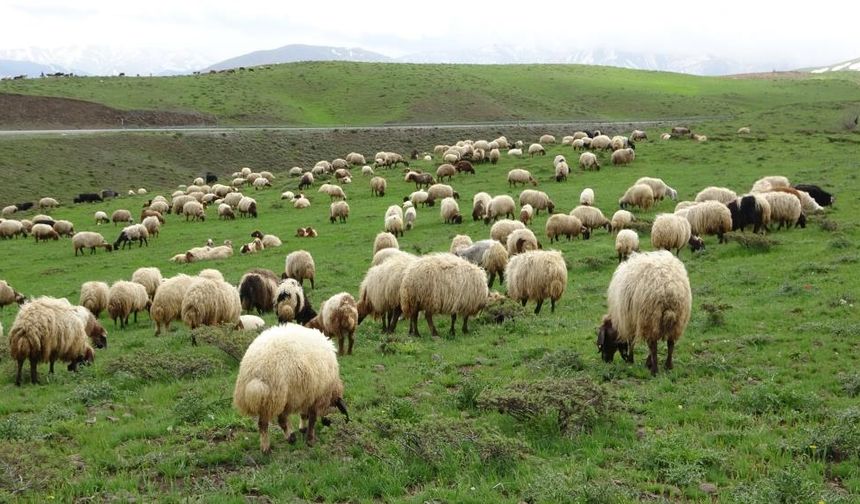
[101, 60]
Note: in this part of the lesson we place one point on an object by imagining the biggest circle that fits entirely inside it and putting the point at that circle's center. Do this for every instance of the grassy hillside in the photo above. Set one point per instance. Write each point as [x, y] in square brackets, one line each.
[370, 93]
[761, 406]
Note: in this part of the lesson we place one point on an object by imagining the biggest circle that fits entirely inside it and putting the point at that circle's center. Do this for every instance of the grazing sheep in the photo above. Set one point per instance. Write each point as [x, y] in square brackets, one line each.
[261, 183]
[251, 323]
[446, 170]
[450, 212]
[545, 139]
[419, 179]
[378, 185]
[306, 181]
[626, 243]
[711, 217]
[623, 156]
[355, 159]
[620, 220]
[536, 149]
[501, 205]
[233, 199]
[750, 210]
[494, 156]
[527, 213]
[480, 204]
[195, 210]
[121, 216]
[721, 194]
[649, 300]
[338, 319]
[589, 161]
[602, 142]
[8, 295]
[338, 211]
[562, 170]
[460, 242]
[258, 290]
[807, 203]
[521, 240]
[210, 303]
[286, 370]
[785, 209]
[394, 225]
[464, 166]
[660, 189]
[291, 303]
[638, 135]
[822, 197]
[665, 136]
[8, 211]
[516, 152]
[334, 192]
[94, 297]
[565, 225]
[671, 232]
[153, 227]
[442, 283]
[150, 278]
[135, 232]
[591, 217]
[489, 255]
[12, 228]
[418, 197]
[379, 292]
[535, 276]
[538, 200]
[639, 195]
[48, 203]
[101, 218]
[301, 202]
[409, 217]
[64, 228]
[439, 192]
[247, 207]
[125, 298]
[288, 195]
[586, 197]
[366, 170]
[393, 210]
[167, 303]
[43, 232]
[299, 265]
[744, 130]
[91, 240]
[384, 240]
[520, 176]
[578, 144]
[47, 330]
[503, 228]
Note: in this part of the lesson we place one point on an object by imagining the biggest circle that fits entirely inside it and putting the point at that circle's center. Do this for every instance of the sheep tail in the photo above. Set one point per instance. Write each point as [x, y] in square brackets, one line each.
[22, 345]
[256, 397]
[668, 323]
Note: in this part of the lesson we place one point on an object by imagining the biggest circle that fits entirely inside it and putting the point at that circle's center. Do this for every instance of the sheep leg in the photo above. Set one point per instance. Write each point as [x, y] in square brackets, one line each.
[465, 324]
[413, 325]
[51, 367]
[340, 344]
[284, 422]
[263, 426]
[537, 308]
[34, 378]
[552, 305]
[351, 337]
[492, 279]
[395, 316]
[652, 357]
[312, 280]
[20, 368]
[310, 434]
[429, 317]
[670, 346]
[453, 321]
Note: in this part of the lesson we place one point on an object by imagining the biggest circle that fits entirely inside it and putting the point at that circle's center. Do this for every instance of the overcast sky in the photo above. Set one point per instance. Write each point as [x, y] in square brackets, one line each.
[811, 33]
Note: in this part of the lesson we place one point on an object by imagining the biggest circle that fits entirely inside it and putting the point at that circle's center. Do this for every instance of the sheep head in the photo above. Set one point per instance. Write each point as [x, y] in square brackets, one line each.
[586, 233]
[696, 243]
[607, 341]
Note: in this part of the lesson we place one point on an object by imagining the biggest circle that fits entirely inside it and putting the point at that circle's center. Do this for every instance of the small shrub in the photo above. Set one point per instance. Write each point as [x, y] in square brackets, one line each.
[596, 263]
[561, 362]
[232, 342]
[94, 393]
[828, 225]
[501, 310]
[836, 440]
[850, 384]
[752, 241]
[840, 242]
[716, 313]
[151, 366]
[772, 398]
[190, 407]
[676, 460]
[467, 397]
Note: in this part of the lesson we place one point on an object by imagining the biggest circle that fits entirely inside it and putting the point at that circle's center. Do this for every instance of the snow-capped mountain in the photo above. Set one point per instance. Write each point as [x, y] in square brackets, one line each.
[299, 52]
[844, 66]
[103, 60]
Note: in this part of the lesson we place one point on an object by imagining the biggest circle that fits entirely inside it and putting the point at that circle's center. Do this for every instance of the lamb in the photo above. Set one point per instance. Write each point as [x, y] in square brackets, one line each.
[8, 295]
[527, 213]
[721, 194]
[64, 228]
[562, 170]
[586, 197]
[125, 298]
[47, 330]
[394, 225]
[378, 185]
[338, 319]
[247, 207]
[623, 156]
[379, 292]
[699, 138]
[660, 189]
[665, 136]
[194, 209]
[94, 297]
[209, 303]
[620, 220]
[649, 300]
[750, 210]
[299, 265]
[639, 195]
[520, 176]
[480, 204]
[626, 243]
[258, 290]
[591, 217]
[442, 283]
[384, 240]
[450, 211]
[288, 369]
[535, 276]
[253, 247]
[503, 228]
[43, 232]
[501, 205]
[710, 217]
[460, 242]
[638, 135]
[152, 226]
[785, 209]
[521, 240]
[516, 152]
[565, 225]
[307, 180]
[489, 255]
[338, 211]
[121, 216]
[10, 228]
[589, 161]
[269, 240]
[135, 232]
[446, 170]
[409, 217]
[536, 149]
[301, 202]
[251, 323]
[538, 200]
[150, 278]
[8, 211]
[291, 303]
[48, 203]
[167, 303]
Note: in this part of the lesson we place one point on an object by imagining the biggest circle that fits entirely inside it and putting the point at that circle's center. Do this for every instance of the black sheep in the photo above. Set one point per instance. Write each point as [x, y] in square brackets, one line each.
[87, 198]
[256, 290]
[211, 178]
[24, 206]
[820, 196]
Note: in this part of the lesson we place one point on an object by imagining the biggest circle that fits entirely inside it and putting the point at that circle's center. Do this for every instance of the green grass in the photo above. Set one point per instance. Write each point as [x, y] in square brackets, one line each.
[336, 93]
[762, 403]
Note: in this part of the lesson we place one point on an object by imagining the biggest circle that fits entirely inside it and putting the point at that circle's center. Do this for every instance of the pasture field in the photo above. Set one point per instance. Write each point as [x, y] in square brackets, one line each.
[762, 405]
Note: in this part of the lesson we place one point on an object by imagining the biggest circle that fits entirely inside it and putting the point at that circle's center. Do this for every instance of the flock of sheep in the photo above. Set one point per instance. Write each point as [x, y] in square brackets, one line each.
[292, 368]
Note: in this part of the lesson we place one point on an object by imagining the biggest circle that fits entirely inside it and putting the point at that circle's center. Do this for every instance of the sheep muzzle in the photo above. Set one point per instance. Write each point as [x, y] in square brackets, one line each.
[341, 406]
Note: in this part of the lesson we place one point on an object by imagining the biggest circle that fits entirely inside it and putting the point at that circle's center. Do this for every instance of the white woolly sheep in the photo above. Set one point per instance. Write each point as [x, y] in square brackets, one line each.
[536, 149]
[366, 170]
[660, 189]
[247, 207]
[710, 217]
[770, 183]
[42, 232]
[562, 170]
[379, 292]
[11, 228]
[8, 211]
[121, 215]
[721, 194]
[251, 323]
[152, 225]
[286, 370]
[460, 242]
[394, 225]
[649, 300]
[134, 232]
[535, 276]
[665, 136]
[623, 156]
[503, 228]
[261, 183]
[210, 303]
[578, 144]
[64, 228]
[601, 142]
[501, 205]
[586, 197]
[210, 253]
[90, 240]
[150, 278]
[545, 139]
[638, 135]
[445, 170]
[125, 298]
[620, 220]
[8, 295]
[384, 240]
[94, 297]
[299, 265]
[520, 176]
[393, 210]
[288, 195]
[527, 213]
[743, 130]
[409, 217]
[591, 217]
[494, 156]
[167, 303]
[301, 202]
[418, 197]
[589, 161]
[47, 330]
[195, 210]
[378, 185]
[671, 232]
[538, 200]
[626, 243]
[338, 211]
[521, 240]
[338, 319]
[233, 199]
[439, 192]
[565, 225]
[48, 203]
[442, 283]
[639, 195]
[211, 274]
[334, 191]
[785, 209]
[450, 211]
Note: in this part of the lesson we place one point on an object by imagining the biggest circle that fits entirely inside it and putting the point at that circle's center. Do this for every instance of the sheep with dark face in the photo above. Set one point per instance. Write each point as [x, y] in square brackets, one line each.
[820, 196]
